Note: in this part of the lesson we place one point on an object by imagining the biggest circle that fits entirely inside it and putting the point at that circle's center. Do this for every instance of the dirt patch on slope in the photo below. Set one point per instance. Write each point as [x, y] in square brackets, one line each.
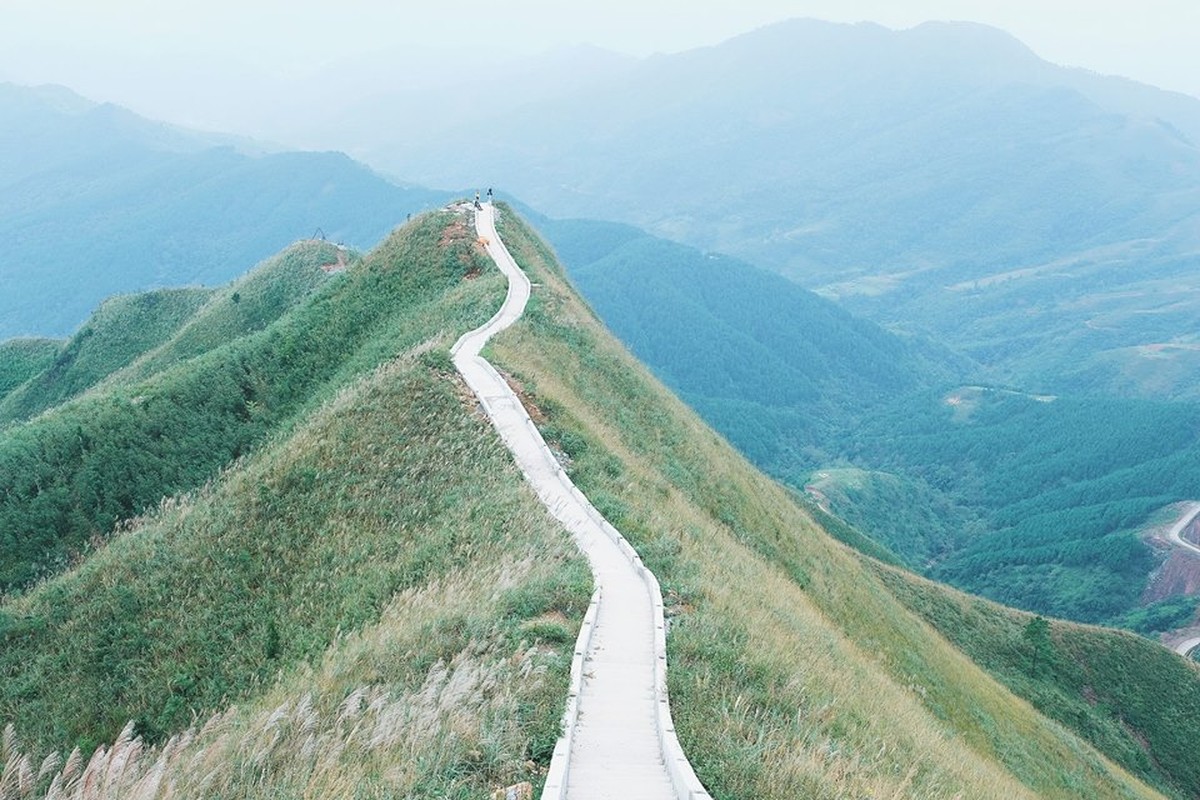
[1178, 575]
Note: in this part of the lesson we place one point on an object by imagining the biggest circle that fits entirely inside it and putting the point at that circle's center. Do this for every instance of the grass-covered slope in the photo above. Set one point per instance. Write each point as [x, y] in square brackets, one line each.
[119, 331]
[1133, 698]
[374, 586]
[246, 305]
[69, 475]
[21, 359]
[795, 671]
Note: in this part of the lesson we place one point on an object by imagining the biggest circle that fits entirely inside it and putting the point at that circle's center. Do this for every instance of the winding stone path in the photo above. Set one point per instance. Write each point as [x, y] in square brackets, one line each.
[619, 741]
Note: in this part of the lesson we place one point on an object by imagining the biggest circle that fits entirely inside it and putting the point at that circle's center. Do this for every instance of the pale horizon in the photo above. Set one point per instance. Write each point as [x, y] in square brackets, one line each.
[164, 60]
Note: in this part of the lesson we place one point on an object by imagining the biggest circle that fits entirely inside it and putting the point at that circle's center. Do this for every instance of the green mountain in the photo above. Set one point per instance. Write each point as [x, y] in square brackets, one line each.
[1032, 500]
[348, 591]
[942, 179]
[21, 359]
[95, 200]
[770, 365]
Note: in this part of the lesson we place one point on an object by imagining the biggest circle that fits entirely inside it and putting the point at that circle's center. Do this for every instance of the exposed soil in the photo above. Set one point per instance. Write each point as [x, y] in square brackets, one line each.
[535, 413]
[456, 231]
[338, 265]
[1178, 575]
[468, 398]
[1192, 532]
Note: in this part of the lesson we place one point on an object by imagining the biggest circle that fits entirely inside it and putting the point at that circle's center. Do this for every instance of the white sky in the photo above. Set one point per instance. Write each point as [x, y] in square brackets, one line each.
[116, 49]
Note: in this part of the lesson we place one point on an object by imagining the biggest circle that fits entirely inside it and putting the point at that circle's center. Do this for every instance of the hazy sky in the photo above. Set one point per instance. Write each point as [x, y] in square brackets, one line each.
[126, 50]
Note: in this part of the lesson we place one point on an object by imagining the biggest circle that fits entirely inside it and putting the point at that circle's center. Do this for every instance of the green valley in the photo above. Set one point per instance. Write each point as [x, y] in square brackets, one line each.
[1033, 500]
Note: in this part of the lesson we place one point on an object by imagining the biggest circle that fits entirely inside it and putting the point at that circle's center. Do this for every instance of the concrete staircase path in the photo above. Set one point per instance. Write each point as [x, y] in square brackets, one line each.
[618, 739]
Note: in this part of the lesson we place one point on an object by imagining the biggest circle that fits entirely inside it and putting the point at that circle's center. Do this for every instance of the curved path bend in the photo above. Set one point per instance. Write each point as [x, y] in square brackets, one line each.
[618, 739]
[1175, 534]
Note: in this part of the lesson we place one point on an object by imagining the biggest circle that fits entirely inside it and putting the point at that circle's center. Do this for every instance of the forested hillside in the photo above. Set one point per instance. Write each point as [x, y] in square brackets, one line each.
[95, 200]
[1060, 486]
[1032, 500]
[772, 366]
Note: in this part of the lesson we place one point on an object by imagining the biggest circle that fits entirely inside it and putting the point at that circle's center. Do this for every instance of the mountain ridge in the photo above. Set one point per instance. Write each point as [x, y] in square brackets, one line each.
[121, 203]
[764, 606]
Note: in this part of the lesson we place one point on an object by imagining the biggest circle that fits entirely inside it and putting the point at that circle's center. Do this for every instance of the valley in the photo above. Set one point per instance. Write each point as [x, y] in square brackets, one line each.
[1031, 499]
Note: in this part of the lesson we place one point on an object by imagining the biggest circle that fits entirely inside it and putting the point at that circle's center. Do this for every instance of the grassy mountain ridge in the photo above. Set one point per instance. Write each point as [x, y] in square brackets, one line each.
[246, 305]
[123, 328]
[69, 475]
[21, 359]
[374, 558]
[392, 612]
[780, 634]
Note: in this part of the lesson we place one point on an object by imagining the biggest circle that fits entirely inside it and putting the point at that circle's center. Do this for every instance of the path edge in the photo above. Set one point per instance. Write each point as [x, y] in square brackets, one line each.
[683, 777]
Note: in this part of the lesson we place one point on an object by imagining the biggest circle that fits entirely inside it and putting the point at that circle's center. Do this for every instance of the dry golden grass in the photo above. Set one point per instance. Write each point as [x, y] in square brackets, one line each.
[351, 726]
[450, 691]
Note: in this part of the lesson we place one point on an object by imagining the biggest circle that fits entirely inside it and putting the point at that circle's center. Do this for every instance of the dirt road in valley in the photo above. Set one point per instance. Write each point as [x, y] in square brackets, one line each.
[1175, 534]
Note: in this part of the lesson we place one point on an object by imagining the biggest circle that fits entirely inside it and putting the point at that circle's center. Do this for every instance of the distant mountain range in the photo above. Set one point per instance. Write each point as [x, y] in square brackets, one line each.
[96, 200]
[941, 179]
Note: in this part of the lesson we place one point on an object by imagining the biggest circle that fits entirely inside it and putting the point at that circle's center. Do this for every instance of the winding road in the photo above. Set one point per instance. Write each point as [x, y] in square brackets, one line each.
[618, 740]
[1175, 535]
[1187, 646]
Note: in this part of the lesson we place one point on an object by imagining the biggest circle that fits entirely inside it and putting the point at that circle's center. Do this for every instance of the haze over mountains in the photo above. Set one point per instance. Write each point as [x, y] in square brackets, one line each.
[941, 179]
[95, 200]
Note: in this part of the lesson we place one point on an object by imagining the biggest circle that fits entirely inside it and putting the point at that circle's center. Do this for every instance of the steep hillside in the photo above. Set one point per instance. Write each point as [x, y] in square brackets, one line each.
[21, 359]
[1030, 499]
[251, 303]
[379, 594]
[100, 201]
[122, 329]
[795, 670]
[68, 476]
[373, 586]
[940, 179]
